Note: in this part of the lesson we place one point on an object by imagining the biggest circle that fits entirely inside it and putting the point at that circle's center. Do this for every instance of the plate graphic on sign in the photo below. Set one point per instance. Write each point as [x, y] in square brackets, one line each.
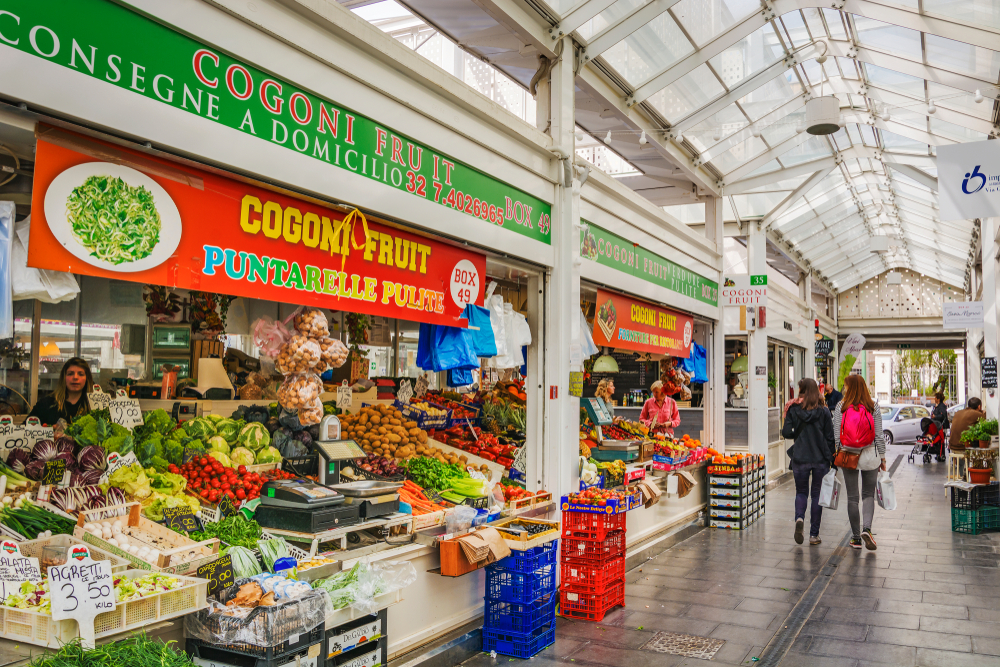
[81, 200]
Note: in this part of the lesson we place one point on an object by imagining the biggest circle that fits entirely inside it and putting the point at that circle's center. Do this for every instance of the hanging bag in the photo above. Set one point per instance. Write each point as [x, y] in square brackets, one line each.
[885, 492]
[829, 492]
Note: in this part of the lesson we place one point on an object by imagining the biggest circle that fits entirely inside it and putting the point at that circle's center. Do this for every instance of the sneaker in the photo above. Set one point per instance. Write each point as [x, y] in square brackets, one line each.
[798, 530]
[814, 540]
[856, 543]
[866, 535]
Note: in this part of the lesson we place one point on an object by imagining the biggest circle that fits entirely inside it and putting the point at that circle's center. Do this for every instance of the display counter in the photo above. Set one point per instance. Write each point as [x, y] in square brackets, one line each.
[692, 419]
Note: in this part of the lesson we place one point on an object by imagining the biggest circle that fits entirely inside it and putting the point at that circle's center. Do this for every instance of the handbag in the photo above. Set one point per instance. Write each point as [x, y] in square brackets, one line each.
[829, 492]
[847, 460]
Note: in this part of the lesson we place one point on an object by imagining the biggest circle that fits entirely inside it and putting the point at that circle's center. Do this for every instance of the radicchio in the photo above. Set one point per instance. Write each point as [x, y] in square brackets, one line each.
[34, 470]
[92, 458]
[44, 450]
[85, 478]
[18, 459]
[65, 444]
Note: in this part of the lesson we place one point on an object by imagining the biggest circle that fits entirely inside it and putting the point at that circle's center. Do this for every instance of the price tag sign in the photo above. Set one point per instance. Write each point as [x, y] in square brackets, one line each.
[80, 590]
[181, 518]
[422, 383]
[126, 412]
[191, 454]
[54, 472]
[34, 431]
[344, 395]
[226, 507]
[474, 474]
[11, 437]
[405, 392]
[98, 399]
[15, 569]
[520, 460]
[116, 461]
[219, 574]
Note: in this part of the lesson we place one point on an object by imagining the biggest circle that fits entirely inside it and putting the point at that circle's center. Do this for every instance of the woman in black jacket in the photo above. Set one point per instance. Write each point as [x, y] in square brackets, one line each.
[808, 422]
[940, 417]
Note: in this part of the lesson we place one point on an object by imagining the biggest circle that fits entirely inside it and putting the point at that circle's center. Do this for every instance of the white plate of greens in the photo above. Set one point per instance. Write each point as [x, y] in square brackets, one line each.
[113, 217]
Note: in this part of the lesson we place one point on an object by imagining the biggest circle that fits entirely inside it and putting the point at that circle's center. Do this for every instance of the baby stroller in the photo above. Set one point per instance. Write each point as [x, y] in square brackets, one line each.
[930, 443]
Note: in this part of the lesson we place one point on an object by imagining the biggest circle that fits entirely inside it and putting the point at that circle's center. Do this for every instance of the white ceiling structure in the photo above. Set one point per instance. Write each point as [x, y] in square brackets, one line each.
[707, 98]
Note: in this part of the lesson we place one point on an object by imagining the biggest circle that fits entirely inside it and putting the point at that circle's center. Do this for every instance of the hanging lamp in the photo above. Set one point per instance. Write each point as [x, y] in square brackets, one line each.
[605, 363]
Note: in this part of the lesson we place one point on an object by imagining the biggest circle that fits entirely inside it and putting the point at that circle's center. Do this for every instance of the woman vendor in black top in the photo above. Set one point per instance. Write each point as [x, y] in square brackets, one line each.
[69, 400]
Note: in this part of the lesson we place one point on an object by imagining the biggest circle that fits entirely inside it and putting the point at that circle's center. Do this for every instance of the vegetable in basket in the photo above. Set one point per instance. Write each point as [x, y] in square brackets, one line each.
[136, 650]
[244, 562]
[30, 521]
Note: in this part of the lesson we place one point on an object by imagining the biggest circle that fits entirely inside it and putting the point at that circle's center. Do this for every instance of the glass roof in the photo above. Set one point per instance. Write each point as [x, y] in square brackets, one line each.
[717, 72]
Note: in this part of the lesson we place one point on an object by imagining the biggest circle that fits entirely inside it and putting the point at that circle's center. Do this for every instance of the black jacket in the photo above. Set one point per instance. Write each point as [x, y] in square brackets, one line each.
[832, 399]
[812, 431]
[940, 415]
[48, 411]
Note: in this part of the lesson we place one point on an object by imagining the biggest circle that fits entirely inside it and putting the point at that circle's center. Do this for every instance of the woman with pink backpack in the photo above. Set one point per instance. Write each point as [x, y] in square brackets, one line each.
[857, 428]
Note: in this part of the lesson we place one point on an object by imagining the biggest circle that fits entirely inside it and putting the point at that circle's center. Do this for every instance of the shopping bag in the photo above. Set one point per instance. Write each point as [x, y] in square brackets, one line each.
[829, 493]
[885, 493]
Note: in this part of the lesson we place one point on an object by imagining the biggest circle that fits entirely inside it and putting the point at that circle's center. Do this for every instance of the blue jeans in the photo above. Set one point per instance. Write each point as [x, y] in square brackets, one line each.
[803, 489]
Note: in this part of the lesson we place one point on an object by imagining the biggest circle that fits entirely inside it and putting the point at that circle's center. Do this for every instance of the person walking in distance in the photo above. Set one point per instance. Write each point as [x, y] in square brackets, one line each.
[809, 424]
[857, 428]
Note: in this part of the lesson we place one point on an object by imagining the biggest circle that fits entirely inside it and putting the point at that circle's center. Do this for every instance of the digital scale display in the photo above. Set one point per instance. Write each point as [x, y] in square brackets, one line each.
[597, 410]
[340, 450]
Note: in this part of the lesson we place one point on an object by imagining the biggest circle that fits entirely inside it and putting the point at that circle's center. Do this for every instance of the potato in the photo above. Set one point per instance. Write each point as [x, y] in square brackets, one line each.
[364, 418]
[394, 438]
[395, 422]
[410, 424]
[422, 436]
[463, 458]
[375, 419]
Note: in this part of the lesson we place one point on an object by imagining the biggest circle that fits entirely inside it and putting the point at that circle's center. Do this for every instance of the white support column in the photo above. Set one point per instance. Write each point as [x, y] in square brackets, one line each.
[991, 397]
[836, 342]
[973, 369]
[715, 402]
[534, 386]
[757, 427]
[562, 317]
[810, 362]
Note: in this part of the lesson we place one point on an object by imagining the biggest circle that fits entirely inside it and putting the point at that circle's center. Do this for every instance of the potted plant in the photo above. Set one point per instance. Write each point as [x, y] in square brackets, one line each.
[987, 429]
[980, 462]
[970, 436]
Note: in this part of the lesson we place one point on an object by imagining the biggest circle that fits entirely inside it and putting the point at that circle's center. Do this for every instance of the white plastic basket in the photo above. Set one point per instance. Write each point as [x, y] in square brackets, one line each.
[33, 549]
[20, 625]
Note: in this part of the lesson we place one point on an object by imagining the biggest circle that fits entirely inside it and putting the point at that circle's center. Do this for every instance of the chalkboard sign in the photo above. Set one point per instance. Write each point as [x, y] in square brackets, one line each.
[226, 507]
[190, 454]
[824, 347]
[989, 372]
[55, 470]
[181, 518]
[219, 574]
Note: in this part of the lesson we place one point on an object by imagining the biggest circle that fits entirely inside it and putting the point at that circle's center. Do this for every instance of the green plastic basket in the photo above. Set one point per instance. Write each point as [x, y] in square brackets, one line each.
[974, 522]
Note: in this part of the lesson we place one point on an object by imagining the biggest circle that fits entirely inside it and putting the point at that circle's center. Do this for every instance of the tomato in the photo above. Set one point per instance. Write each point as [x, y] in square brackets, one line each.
[242, 470]
[203, 462]
[241, 494]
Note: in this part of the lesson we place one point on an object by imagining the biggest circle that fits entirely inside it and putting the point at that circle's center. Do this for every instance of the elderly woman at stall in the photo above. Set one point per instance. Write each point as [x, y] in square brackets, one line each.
[605, 391]
[660, 412]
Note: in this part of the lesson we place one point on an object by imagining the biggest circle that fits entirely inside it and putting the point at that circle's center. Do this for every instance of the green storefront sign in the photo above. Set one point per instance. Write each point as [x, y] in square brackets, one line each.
[601, 246]
[113, 44]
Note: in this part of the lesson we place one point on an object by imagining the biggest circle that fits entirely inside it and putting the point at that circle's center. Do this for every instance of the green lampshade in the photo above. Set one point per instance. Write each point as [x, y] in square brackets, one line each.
[740, 365]
[606, 364]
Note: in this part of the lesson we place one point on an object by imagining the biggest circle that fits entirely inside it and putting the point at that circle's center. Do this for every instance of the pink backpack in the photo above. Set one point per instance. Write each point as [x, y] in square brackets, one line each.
[857, 427]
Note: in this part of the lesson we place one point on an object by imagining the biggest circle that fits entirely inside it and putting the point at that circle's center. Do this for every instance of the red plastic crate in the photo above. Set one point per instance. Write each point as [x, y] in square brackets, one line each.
[583, 575]
[587, 526]
[591, 551]
[591, 606]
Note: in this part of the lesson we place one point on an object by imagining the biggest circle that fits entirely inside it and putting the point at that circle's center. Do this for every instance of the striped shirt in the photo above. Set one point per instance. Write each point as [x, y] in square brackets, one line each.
[879, 437]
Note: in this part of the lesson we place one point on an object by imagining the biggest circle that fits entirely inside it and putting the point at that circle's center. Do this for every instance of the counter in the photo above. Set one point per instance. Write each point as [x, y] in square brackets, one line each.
[692, 419]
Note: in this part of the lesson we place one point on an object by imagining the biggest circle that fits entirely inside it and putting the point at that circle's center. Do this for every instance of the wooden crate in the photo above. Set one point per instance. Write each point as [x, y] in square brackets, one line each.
[521, 541]
[208, 550]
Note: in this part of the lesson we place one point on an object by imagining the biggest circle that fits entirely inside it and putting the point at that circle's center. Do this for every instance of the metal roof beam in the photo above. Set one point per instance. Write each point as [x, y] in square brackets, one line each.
[977, 35]
[795, 195]
[578, 16]
[756, 163]
[747, 184]
[628, 24]
[905, 66]
[919, 176]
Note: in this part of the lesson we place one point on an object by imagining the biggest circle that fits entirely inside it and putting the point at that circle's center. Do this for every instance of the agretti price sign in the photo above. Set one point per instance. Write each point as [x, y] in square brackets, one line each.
[114, 45]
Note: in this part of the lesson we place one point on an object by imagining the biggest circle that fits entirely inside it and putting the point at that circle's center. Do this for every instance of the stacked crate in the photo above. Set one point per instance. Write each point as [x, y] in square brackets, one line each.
[736, 493]
[521, 601]
[976, 510]
[592, 564]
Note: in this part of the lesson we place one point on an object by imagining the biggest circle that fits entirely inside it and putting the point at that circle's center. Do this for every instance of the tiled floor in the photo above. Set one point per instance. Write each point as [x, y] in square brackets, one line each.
[927, 596]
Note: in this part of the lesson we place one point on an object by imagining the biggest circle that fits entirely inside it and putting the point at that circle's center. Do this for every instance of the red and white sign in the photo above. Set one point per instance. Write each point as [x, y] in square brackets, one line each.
[630, 324]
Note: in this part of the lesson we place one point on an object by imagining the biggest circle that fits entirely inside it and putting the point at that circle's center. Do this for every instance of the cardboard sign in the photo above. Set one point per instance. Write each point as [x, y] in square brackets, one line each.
[219, 573]
[11, 437]
[226, 507]
[989, 372]
[116, 461]
[405, 392]
[54, 472]
[126, 412]
[98, 399]
[15, 569]
[344, 396]
[80, 590]
[520, 460]
[422, 383]
[353, 638]
[34, 431]
[630, 324]
[181, 518]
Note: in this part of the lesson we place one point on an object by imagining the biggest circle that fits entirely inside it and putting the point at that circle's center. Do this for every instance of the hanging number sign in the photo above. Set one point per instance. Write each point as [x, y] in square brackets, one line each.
[11, 437]
[15, 569]
[344, 395]
[405, 392]
[126, 411]
[80, 590]
[98, 399]
[421, 386]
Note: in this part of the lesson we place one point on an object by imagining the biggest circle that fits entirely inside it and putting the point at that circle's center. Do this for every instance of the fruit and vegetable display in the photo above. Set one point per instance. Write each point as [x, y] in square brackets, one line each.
[515, 492]
[378, 465]
[139, 543]
[413, 495]
[314, 561]
[384, 431]
[134, 650]
[233, 531]
[34, 596]
[210, 479]
[433, 473]
[359, 586]
[32, 522]
[598, 497]
[478, 443]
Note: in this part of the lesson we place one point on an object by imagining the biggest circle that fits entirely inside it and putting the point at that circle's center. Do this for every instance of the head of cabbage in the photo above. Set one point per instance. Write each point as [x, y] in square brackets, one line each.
[229, 429]
[254, 436]
[218, 444]
[221, 458]
[268, 455]
[241, 456]
[200, 428]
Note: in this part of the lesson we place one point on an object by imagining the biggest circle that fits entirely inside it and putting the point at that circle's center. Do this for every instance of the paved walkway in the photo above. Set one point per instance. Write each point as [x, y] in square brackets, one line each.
[927, 596]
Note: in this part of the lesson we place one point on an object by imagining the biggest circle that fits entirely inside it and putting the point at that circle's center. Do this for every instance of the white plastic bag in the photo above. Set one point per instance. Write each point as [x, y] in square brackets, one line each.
[829, 493]
[885, 492]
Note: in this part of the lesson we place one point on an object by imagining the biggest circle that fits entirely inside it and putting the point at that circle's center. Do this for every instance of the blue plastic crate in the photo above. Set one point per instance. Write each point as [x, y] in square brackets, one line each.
[518, 645]
[529, 560]
[520, 618]
[520, 587]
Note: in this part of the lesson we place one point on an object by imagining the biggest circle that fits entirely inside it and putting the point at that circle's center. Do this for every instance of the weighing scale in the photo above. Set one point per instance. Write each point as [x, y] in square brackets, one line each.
[597, 410]
[332, 450]
[303, 506]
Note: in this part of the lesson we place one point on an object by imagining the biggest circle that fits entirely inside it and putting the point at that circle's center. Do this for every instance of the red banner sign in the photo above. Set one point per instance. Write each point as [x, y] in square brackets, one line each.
[101, 210]
[631, 324]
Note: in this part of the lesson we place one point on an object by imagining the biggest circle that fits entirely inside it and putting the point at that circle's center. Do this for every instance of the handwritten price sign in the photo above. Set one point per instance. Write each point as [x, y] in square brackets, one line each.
[219, 574]
[11, 437]
[181, 518]
[80, 590]
[126, 412]
[344, 396]
[98, 399]
[15, 569]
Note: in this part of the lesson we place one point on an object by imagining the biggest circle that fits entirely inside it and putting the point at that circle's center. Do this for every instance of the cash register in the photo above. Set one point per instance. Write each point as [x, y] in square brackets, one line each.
[303, 506]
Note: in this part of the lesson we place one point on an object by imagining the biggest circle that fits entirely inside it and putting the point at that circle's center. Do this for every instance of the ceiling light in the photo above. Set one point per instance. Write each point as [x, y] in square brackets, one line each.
[607, 137]
[931, 109]
[823, 115]
[717, 134]
[799, 127]
[885, 114]
[605, 363]
[755, 130]
[642, 137]
[579, 137]
[978, 97]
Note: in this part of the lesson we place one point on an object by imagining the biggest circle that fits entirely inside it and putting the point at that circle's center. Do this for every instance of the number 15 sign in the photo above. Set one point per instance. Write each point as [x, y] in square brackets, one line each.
[80, 590]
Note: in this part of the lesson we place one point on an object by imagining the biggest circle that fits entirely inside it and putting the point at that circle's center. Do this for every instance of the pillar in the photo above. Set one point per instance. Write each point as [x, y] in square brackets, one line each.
[991, 397]
[715, 399]
[757, 349]
[562, 312]
[973, 370]
[810, 361]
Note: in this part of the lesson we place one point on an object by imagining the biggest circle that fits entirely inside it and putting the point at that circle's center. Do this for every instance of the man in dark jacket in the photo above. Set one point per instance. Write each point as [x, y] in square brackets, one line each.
[832, 397]
[812, 453]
